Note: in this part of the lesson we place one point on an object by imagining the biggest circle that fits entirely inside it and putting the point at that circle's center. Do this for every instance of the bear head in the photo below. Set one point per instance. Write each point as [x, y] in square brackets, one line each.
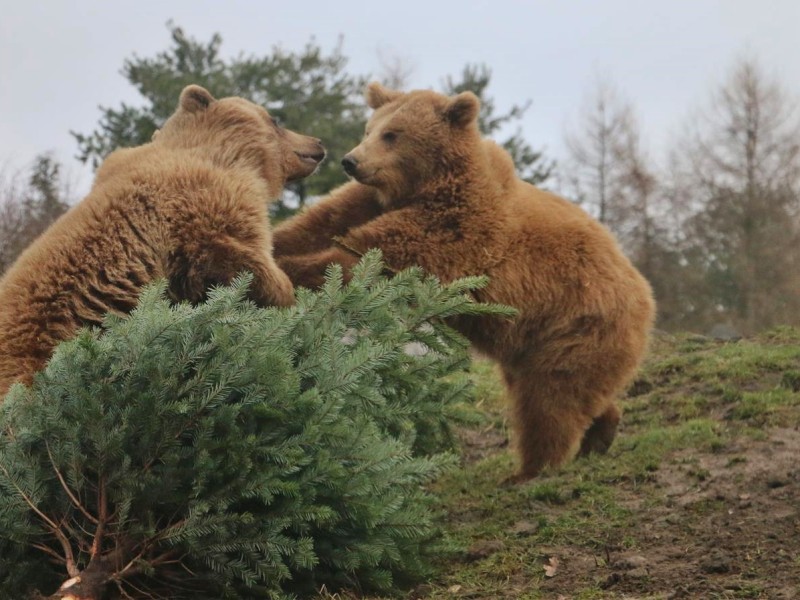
[236, 133]
[413, 138]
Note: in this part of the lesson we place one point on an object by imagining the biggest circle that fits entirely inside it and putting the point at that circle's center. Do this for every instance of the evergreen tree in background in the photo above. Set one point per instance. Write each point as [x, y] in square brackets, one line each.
[531, 165]
[226, 451]
[309, 92]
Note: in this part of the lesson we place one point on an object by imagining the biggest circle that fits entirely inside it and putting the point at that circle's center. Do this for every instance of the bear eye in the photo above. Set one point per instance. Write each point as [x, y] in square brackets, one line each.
[389, 136]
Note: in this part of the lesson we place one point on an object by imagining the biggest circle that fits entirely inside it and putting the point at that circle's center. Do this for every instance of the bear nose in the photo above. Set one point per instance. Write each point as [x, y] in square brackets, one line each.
[349, 163]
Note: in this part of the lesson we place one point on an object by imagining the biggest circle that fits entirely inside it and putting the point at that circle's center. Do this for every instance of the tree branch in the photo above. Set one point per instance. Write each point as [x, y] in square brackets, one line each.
[97, 542]
[49, 551]
[69, 493]
[69, 557]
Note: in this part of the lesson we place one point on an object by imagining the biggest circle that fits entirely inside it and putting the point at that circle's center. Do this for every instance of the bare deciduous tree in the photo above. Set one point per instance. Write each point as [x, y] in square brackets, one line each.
[600, 147]
[396, 71]
[609, 172]
[740, 184]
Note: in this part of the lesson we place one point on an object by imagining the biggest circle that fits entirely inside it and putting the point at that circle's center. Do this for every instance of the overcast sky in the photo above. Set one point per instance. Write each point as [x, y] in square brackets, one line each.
[60, 59]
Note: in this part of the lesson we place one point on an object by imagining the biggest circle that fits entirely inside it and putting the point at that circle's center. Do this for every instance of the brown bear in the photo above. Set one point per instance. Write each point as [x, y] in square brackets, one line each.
[431, 192]
[190, 207]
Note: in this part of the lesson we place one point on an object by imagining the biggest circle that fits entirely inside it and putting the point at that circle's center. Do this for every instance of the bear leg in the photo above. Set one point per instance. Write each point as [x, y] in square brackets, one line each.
[601, 433]
[550, 419]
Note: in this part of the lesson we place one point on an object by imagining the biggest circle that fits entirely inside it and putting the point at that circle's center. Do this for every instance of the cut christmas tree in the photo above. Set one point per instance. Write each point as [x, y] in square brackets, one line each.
[227, 451]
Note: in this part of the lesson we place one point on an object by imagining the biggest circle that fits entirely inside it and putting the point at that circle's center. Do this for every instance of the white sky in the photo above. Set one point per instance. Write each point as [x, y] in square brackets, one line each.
[60, 59]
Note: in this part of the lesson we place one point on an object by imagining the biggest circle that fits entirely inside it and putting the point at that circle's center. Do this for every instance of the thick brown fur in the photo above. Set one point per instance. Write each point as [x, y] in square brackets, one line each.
[433, 193]
[191, 207]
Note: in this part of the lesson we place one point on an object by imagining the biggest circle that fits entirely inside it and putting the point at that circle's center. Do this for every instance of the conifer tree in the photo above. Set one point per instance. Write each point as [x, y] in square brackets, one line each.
[227, 451]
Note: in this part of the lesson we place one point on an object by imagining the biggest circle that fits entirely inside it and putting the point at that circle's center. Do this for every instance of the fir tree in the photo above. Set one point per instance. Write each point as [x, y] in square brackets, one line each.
[226, 451]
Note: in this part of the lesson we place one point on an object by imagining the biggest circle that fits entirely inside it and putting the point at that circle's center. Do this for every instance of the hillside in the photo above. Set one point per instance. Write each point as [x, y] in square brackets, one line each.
[698, 498]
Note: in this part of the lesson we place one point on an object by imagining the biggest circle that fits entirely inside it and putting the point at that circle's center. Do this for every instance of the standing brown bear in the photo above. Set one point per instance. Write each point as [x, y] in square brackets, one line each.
[430, 192]
[191, 207]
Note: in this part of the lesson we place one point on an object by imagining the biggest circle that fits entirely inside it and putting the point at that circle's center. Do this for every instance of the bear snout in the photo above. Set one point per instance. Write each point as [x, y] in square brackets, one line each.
[350, 165]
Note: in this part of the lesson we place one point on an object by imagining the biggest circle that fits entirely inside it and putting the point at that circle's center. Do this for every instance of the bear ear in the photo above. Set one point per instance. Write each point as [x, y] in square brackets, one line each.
[377, 95]
[195, 98]
[461, 110]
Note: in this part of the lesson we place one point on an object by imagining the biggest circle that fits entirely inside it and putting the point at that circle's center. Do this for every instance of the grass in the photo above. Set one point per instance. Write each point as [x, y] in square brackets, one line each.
[694, 398]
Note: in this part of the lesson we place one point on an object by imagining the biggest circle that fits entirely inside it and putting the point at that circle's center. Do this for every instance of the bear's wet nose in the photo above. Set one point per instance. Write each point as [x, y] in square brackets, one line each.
[349, 163]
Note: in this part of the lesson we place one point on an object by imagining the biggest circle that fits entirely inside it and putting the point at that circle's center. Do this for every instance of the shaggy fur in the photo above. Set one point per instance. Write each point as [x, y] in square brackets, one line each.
[190, 207]
[432, 193]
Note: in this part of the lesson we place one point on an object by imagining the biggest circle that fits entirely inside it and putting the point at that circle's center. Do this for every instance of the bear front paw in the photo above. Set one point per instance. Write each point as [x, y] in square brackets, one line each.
[281, 292]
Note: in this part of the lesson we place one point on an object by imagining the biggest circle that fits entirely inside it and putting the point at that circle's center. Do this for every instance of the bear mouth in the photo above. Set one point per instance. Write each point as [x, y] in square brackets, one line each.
[312, 158]
[366, 178]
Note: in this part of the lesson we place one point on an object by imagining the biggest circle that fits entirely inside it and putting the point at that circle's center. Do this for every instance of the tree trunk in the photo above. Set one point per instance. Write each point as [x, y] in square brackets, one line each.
[91, 584]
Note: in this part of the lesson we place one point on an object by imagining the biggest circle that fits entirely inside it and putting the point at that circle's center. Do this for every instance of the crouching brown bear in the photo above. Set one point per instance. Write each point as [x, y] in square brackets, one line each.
[429, 191]
[191, 207]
